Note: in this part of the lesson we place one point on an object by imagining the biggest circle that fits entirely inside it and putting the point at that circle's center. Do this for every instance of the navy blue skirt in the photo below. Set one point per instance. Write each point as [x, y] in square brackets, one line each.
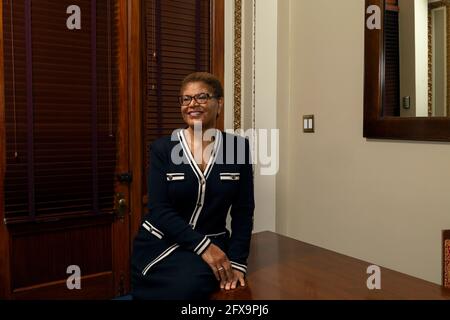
[183, 275]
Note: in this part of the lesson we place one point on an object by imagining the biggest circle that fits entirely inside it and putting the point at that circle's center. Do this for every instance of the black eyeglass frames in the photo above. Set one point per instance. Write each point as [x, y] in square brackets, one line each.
[201, 98]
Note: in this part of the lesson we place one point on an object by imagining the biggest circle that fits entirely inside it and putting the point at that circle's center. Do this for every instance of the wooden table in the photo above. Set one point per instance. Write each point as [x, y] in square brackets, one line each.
[282, 268]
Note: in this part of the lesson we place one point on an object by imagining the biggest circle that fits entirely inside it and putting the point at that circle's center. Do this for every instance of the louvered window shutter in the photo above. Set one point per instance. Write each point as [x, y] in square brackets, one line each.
[178, 40]
[60, 100]
[391, 106]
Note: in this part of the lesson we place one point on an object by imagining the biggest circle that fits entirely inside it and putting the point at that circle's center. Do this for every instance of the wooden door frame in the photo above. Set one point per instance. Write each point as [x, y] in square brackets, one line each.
[5, 279]
[218, 48]
[136, 55]
[121, 227]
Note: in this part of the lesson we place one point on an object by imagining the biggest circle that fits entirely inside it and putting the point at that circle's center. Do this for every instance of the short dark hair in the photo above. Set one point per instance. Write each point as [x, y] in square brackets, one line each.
[207, 78]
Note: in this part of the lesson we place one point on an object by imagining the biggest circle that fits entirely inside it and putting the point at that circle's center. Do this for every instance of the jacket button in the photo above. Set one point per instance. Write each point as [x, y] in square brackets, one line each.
[199, 204]
[170, 178]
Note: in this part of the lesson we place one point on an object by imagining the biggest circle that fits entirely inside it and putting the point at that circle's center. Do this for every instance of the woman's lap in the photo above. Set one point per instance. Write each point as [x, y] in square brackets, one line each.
[182, 275]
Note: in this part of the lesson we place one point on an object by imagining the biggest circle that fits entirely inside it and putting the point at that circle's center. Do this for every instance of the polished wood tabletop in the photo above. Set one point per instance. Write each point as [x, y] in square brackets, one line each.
[281, 268]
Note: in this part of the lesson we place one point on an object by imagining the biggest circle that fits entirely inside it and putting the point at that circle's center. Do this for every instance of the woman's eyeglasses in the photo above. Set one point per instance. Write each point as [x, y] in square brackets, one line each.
[201, 98]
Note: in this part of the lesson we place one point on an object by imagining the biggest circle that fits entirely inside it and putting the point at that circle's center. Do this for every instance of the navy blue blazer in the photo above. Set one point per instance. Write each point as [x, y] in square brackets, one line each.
[188, 208]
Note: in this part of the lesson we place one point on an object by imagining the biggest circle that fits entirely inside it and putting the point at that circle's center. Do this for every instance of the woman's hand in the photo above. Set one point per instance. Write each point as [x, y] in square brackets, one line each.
[219, 264]
[238, 277]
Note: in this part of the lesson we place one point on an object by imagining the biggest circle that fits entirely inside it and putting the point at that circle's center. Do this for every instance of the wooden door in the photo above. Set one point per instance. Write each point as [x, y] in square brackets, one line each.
[64, 149]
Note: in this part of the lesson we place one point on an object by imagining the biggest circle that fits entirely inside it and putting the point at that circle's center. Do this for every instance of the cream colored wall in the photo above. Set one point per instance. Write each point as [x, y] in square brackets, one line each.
[285, 108]
[385, 202]
[247, 64]
[265, 83]
[265, 111]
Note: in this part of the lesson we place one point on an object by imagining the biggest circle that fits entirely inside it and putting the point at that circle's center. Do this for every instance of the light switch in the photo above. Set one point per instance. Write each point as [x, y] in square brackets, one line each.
[406, 102]
[308, 124]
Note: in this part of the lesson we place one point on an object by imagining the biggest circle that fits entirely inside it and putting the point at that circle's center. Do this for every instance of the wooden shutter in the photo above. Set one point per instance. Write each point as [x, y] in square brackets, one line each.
[60, 101]
[391, 105]
[178, 42]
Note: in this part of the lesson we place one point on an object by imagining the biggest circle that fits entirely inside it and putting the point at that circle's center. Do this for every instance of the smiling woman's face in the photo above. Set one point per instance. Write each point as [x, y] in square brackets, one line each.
[196, 113]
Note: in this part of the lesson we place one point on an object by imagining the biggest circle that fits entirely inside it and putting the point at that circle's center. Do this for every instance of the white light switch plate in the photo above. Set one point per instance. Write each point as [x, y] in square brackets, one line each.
[308, 124]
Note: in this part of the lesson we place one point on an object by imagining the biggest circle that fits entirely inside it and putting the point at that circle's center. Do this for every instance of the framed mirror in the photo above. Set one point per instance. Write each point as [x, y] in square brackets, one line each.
[407, 70]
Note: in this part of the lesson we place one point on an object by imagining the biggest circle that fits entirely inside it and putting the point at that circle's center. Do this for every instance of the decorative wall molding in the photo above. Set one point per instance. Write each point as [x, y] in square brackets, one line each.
[431, 6]
[430, 65]
[237, 63]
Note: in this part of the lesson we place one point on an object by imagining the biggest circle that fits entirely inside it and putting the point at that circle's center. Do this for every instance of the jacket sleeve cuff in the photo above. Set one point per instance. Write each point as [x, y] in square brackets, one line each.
[239, 267]
[202, 246]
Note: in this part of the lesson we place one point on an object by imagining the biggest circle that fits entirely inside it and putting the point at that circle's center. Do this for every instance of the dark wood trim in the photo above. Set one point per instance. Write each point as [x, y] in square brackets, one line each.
[94, 286]
[141, 127]
[392, 8]
[121, 227]
[136, 54]
[375, 125]
[445, 236]
[5, 280]
[372, 73]
[392, 5]
[218, 47]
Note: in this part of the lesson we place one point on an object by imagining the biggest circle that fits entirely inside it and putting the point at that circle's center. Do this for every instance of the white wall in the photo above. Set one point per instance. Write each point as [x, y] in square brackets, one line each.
[265, 106]
[285, 108]
[264, 116]
[421, 32]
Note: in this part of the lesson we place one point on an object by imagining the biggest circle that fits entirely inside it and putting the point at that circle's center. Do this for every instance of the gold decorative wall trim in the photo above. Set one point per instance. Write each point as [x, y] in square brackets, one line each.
[237, 63]
[434, 5]
[430, 65]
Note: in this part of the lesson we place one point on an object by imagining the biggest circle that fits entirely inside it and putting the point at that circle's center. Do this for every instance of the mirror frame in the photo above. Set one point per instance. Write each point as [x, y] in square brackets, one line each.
[376, 126]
